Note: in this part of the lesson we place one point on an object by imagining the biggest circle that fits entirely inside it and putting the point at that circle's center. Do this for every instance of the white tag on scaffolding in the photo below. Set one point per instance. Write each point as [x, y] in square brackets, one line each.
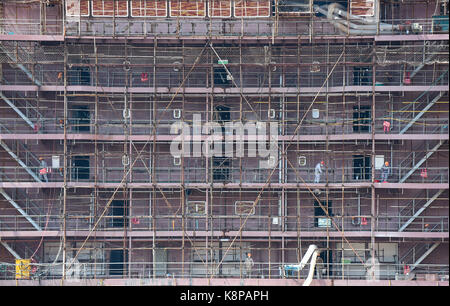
[126, 113]
[55, 161]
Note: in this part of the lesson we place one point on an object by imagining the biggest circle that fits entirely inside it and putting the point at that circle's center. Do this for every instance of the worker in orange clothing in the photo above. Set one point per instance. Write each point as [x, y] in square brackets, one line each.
[386, 126]
[385, 171]
[43, 170]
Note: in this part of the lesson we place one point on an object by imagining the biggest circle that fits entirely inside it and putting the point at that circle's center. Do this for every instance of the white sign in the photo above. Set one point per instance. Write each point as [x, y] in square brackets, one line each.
[379, 161]
[315, 113]
[324, 222]
[55, 161]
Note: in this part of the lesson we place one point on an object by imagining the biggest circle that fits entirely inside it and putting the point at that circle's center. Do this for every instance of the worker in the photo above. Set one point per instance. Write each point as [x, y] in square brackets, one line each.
[385, 171]
[318, 171]
[249, 265]
[386, 126]
[43, 170]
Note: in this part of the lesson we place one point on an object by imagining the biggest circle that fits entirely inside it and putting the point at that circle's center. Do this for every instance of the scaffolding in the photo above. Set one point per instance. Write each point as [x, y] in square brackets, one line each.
[102, 104]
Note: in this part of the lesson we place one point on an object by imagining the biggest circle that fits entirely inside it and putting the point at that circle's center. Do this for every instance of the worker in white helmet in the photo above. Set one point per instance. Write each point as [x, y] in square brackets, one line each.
[318, 171]
[385, 171]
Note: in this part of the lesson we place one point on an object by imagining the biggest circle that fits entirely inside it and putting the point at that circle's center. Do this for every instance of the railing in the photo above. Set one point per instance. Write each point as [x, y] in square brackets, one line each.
[139, 126]
[414, 159]
[232, 27]
[30, 207]
[410, 208]
[167, 77]
[78, 221]
[22, 152]
[420, 223]
[224, 174]
[420, 126]
[409, 111]
[236, 269]
[414, 253]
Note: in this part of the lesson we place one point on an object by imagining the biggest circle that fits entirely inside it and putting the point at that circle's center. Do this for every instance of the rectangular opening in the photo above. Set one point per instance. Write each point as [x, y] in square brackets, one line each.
[117, 261]
[320, 217]
[220, 77]
[222, 114]
[81, 118]
[362, 76]
[221, 169]
[80, 167]
[244, 208]
[119, 214]
[79, 76]
[231, 259]
[362, 116]
[362, 168]
[196, 207]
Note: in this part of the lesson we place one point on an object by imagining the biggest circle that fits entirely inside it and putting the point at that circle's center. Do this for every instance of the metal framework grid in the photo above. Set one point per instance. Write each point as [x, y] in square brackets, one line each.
[285, 81]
